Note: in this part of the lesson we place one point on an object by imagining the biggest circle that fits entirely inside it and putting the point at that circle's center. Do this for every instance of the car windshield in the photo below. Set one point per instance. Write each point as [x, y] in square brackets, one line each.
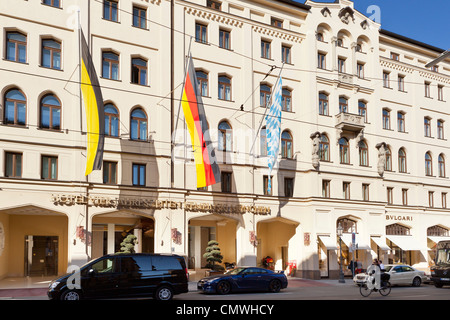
[388, 268]
[235, 271]
[443, 257]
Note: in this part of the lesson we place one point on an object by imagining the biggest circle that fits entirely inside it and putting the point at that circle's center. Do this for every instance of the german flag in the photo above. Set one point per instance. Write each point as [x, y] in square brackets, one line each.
[93, 105]
[208, 172]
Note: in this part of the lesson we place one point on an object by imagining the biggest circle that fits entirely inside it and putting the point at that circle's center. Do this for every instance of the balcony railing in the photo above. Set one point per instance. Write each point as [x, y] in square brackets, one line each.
[349, 121]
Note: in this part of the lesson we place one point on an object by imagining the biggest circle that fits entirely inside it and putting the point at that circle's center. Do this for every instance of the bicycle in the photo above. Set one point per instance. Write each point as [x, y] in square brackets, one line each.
[384, 290]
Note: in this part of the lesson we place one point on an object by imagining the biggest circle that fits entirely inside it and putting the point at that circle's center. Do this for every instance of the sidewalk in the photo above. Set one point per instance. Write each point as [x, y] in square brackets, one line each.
[29, 287]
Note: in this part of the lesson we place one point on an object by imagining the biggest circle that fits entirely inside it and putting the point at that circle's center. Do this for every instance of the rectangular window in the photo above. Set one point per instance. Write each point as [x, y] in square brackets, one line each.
[201, 33]
[52, 3]
[51, 54]
[440, 129]
[110, 10]
[441, 93]
[286, 54]
[326, 188]
[386, 119]
[427, 90]
[401, 83]
[138, 174]
[13, 164]
[444, 199]
[405, 197]
[110, 66]
[214, 4]
[427, 127]
[266, 185]
[431, 199]
[224, 39]
[288, 187]
[109, 172]
[360, 70]
[226, 181]
[365, 192]
[49, 168]
[265, 49]
[16, 47]
[386, 83]
[341, 65]
[395, 56]
[346, 190]
[401, 121]
[139, 17]
[321, 62]
[390, 195]
[276, 23]
[139, 71]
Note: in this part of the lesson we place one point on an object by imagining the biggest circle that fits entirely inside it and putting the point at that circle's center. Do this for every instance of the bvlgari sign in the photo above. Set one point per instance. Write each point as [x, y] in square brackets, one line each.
[108, 202]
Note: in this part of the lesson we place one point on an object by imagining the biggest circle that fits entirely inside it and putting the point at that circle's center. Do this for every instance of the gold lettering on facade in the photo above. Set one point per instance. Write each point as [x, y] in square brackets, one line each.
[99, 201]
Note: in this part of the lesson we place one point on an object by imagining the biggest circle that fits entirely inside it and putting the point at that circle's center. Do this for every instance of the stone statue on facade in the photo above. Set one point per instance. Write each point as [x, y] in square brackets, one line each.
[315, 137]
[381, 157]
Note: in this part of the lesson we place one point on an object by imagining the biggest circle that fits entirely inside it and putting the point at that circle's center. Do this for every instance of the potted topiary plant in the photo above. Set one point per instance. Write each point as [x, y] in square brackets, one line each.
[213, 256]
[127, 245]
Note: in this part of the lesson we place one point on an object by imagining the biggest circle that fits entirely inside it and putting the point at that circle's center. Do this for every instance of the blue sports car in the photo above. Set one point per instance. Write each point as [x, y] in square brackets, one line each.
[244, 279]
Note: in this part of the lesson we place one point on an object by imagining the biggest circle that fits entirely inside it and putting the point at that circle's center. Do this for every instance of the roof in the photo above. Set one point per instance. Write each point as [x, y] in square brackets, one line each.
[296, 4]
[412, 41]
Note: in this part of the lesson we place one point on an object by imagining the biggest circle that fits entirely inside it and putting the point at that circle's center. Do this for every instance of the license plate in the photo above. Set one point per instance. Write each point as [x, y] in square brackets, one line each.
[445, 279]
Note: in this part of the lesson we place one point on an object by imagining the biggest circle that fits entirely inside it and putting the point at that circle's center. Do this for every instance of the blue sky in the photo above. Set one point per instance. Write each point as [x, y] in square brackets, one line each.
[423, 20]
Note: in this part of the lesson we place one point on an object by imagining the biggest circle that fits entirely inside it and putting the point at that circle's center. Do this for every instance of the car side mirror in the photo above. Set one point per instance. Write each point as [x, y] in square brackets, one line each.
[92, 272]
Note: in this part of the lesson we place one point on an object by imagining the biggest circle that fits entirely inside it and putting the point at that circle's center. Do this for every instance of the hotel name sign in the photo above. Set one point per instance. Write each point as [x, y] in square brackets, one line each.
[108, 202]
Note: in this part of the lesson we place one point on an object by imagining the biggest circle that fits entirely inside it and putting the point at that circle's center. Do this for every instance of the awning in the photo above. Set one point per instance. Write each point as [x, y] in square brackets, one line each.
[328, 242]
[380, 242]
[436, 239]
[407, 243]
[347, 239]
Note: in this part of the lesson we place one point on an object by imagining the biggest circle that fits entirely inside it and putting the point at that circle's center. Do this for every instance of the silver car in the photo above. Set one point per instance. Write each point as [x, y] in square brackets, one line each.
[400, 274]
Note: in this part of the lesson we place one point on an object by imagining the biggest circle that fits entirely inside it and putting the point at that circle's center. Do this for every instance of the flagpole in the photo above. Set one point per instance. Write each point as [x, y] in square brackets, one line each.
[79, 69]
[265, 111]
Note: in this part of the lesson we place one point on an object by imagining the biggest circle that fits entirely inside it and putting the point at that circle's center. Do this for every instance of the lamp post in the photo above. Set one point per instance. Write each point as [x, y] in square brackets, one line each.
[341, 272]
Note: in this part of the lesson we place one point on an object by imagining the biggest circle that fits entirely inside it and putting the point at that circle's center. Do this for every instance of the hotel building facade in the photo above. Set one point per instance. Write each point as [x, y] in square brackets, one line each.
[353, 152]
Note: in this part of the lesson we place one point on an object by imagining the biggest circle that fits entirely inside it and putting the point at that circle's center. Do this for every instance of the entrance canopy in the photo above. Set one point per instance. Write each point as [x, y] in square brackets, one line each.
[347, 239]
[328, 242]
[381, 243]
[437, 239]
[407, 243]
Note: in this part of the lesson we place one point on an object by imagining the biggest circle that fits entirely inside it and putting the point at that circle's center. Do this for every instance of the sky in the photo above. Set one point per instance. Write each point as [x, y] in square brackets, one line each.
[422, 20]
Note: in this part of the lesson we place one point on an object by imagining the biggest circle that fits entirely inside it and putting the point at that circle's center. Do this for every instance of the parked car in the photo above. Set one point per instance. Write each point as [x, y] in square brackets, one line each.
[125, 275]
[400, 274]
[244, 279]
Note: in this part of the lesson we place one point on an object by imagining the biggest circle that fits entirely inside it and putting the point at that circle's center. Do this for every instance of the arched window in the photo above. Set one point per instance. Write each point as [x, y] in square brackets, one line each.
[363, 154]
[324, 148]
[138, 125]
[347, 225]
[111, 120]
[441, 160]
[286, 99]
[50, 112]
[397, 229]
[263, 141]
[286, 145]
[264, 94]
[202, 80]
[110, 65]
[323, 104]
[15, 108]
[224, 88]
[428, 164]
[388, 164]
[402, 160]
[344, 153]
[225, 136]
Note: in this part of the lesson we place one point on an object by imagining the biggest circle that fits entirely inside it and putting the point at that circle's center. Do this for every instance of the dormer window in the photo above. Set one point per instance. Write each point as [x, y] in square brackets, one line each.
[214, 4]
[276, 23]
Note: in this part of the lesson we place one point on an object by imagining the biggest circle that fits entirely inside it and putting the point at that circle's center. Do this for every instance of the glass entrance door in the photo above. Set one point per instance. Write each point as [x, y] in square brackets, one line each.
[41, 255]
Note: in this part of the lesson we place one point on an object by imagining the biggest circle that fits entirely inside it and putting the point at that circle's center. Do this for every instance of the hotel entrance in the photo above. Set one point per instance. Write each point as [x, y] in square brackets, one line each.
[41, 256]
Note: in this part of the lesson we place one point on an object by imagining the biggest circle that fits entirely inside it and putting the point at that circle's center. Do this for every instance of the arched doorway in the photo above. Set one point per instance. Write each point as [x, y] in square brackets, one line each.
[110, 229]
[277, 240]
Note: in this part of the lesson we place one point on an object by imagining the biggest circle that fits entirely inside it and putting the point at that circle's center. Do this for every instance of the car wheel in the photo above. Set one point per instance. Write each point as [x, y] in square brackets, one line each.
[438, 285]
[71, 295]
[275, 286]
[416, 282]
[223, 287]
[164, 293]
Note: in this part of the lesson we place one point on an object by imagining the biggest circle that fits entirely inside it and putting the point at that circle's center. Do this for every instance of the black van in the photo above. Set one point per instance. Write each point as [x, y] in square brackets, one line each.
[440, 272]
[123, 276]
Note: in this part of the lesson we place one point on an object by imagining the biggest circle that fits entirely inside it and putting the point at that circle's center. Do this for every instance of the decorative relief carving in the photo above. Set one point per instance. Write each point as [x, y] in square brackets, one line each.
[214, 16]
[277, 34]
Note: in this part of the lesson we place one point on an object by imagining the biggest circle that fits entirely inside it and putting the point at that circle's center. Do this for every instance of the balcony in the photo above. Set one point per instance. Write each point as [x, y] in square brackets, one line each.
[349, 122]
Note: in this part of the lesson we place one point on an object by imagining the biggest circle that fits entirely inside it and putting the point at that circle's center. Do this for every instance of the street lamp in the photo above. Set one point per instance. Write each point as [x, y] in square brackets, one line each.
[341, 272]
